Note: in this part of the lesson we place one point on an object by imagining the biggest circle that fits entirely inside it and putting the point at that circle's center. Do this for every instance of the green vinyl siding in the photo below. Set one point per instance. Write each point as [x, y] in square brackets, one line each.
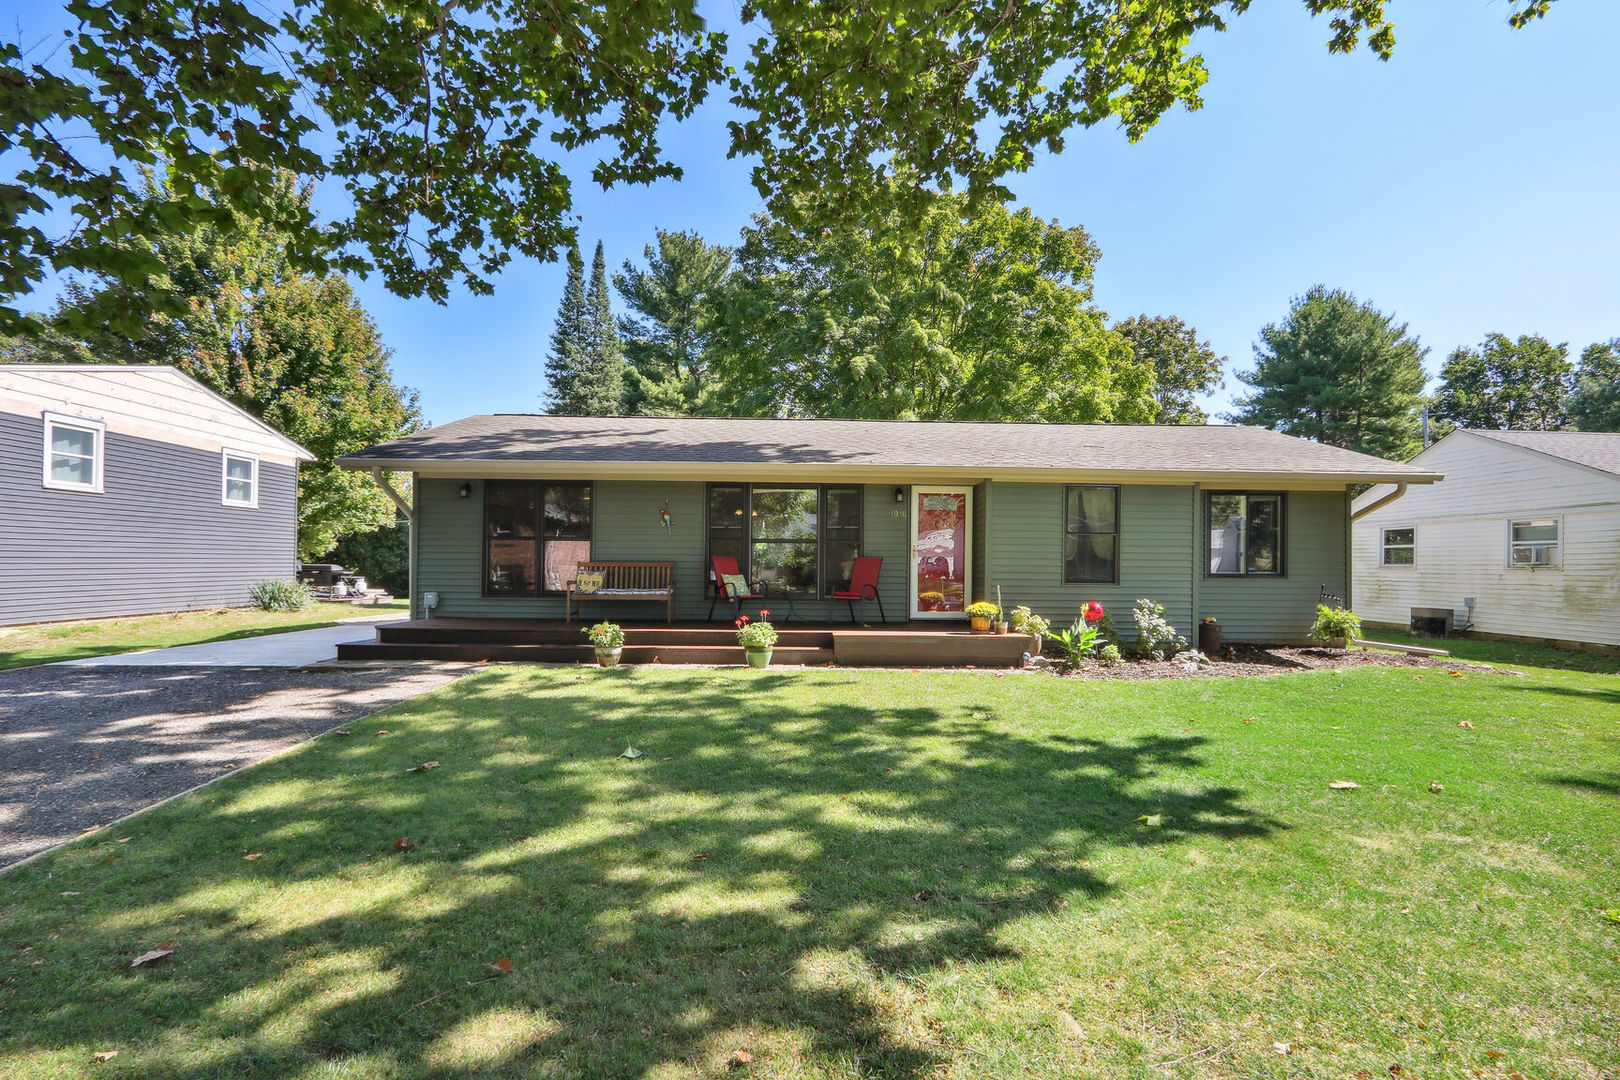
[1025, 542]
[625, 527]
[1283, 608]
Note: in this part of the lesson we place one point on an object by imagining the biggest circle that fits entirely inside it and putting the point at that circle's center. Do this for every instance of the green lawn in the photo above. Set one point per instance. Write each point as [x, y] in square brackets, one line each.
[863, 874]
[22, 646]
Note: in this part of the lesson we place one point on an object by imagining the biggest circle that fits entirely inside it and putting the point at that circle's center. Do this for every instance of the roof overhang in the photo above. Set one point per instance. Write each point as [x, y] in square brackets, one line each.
[870, 474]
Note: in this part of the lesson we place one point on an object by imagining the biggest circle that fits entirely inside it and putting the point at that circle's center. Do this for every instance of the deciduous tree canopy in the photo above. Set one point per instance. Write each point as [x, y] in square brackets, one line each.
[1595, 404]
[1340, 372]
[444, 122]
[1508, 384]
[1183, 367]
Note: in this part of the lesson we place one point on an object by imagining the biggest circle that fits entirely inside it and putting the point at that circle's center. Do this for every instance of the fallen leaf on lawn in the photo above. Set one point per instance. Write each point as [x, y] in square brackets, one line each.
[95, 757]
[343, 731]
[104, 1055]
[1071, 1024]
[1281, 1048]
[631, 752]
[125, 839]
[1395, 1069]
[501, 966]
[382, 731]
[1151, 820]
[1612, 914]
[1436, 786]
[1419, 678]
[252, 855]
[1406, 911]
[1515, 1075]
[1344, 785]
[922, 896]
[1456, 674]
[1249, 720]
[700, 858]
[739, 1058]
[165, 949]
[1494, 1054]
[426, 766]
[402, 843]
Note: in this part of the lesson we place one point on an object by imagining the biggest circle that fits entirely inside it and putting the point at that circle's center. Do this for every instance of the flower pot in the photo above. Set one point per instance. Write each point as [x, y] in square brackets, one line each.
[1209, 638]
[606, 657]
[980, 626]
[758, 657]
[1003, 627]
[1338, 643]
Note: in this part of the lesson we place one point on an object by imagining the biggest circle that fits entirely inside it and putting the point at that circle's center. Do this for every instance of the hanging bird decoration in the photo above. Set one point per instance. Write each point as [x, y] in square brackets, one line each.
[664, 518]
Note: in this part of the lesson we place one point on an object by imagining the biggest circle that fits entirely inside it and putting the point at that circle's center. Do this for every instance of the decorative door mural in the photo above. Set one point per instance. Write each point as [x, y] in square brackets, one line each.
[941, 552]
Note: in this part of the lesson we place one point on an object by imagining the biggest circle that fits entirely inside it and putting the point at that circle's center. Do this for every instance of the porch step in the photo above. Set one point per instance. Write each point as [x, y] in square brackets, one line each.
[658, 653]
[560, 634]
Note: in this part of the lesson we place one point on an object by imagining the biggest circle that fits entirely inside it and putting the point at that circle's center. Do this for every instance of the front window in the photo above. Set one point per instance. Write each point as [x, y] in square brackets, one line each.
[240, 479]
[1090, 535]
[74, 453]
[1245, 535]
[1533, 542]
[804, 539]
[1400, 547]
[535, 535]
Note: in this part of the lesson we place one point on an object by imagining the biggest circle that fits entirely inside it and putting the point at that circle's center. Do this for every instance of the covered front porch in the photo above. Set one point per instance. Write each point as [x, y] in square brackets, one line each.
[553, 641]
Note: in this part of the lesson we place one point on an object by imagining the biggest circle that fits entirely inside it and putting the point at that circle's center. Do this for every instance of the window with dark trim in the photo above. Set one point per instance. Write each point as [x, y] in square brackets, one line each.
[786, 536]
[535, 535]
[1245, 534]
[1090, 534]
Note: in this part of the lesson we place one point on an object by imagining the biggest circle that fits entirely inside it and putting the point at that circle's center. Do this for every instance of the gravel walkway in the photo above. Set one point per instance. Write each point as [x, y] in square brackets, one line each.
[83, 746]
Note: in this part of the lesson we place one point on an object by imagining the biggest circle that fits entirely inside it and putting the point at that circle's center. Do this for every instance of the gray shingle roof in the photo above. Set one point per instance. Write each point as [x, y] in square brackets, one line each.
[661, 443]
[1595, 449]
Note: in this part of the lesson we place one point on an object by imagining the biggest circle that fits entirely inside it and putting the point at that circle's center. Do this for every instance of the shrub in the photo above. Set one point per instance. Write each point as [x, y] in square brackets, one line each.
[381, 557]
[1154, 634]
[1110, 655]
[1105, 626]
[1025, 621]
[605, 635]
[277, 594]
[1334, 623]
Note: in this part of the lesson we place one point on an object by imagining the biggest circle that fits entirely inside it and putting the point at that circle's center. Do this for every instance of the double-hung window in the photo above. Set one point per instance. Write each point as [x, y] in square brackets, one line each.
[1090, 534]
[1245, 534]
[535, 535]
[75, 453]
[239, 479]
[1399, 547]
[1534, 542]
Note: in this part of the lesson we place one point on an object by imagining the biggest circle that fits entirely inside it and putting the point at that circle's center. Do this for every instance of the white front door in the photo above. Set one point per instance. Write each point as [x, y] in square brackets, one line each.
[941, 551]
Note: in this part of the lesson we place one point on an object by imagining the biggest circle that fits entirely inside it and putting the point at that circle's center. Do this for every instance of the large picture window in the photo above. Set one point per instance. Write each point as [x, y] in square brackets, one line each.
[799, 538]
[535, 534]
[1245, 534]
[1090, 534]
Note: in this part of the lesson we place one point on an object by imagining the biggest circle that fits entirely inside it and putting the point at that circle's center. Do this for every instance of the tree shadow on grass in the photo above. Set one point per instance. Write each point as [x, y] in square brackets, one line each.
[1601, 784]
[762, 868]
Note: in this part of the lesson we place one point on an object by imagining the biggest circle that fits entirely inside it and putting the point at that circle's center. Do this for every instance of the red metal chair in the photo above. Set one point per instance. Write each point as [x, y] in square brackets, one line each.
[725, 564]
[863, 579]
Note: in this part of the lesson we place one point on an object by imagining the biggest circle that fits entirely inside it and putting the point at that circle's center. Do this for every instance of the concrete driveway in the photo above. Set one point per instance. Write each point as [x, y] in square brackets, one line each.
[87, 743]
[297, 648]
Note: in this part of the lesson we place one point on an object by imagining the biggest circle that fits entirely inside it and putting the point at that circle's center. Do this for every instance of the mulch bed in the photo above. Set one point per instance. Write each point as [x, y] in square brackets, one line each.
[1245, 660]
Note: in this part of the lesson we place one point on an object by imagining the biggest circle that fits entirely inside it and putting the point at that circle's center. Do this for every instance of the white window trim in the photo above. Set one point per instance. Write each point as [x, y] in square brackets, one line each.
[54, 420]
[1558, 545]
[1383, 547]
[225, 457]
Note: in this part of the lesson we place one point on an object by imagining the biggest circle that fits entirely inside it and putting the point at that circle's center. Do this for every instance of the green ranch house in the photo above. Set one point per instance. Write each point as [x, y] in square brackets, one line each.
[1239, 523]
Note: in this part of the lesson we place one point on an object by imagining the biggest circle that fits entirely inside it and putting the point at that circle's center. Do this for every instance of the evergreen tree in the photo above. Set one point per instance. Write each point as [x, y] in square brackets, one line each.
[1340, 372]
[666, 335]
[1506, 384]
[601, 386]
[570, 343]
[1595, 404]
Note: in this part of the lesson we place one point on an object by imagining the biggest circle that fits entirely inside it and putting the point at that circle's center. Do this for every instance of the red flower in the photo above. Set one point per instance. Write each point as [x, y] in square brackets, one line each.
[1093, 612]
[765, 613]
[740, 622]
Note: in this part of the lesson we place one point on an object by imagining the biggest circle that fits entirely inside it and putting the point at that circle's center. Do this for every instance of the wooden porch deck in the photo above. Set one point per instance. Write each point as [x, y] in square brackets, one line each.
[548, 641]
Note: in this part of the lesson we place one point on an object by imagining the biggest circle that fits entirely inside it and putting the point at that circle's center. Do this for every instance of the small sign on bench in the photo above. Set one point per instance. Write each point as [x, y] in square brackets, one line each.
[643, 581]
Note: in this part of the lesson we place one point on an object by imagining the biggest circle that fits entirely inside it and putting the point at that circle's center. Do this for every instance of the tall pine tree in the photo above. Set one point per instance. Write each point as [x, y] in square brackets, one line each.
[1340, 372]
[569, 342]
[601, 389]
[666, 332]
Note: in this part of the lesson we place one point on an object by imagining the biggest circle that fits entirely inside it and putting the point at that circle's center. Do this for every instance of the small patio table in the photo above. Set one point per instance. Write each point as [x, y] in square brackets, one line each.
[787, 595]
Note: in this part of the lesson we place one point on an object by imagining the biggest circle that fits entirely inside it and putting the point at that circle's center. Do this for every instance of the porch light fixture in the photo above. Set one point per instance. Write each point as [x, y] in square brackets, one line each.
[899, 494]
[465, 490]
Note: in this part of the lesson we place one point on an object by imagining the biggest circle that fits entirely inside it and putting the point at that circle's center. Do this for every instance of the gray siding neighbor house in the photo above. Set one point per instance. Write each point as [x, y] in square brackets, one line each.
[1243, 524]
[132, 489]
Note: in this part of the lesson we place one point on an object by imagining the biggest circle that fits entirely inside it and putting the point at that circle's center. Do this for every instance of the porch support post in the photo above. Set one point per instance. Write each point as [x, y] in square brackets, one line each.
[1198, 557]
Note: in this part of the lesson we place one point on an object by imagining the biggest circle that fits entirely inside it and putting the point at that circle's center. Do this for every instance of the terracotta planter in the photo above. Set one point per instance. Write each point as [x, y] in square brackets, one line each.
[609, 657]
[1209, 639]
[980, 626]
[758, 657]
[1004, 627]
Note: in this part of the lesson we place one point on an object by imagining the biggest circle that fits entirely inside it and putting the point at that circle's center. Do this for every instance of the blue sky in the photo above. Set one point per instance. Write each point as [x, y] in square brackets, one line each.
[1468, 185]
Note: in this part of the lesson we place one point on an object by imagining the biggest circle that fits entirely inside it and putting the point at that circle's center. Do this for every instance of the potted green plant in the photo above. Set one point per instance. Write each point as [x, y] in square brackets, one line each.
[1003, 624]
[757, 639]
[1335, 626]
[609, 641]
[981, 613]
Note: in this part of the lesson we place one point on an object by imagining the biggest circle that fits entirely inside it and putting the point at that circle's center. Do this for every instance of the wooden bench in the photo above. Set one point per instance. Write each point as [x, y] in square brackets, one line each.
[625, 581]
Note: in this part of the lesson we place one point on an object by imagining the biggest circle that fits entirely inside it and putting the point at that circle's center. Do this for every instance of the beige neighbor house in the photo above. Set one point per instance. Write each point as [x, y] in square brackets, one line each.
[1522, 540]
[1239, 523]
